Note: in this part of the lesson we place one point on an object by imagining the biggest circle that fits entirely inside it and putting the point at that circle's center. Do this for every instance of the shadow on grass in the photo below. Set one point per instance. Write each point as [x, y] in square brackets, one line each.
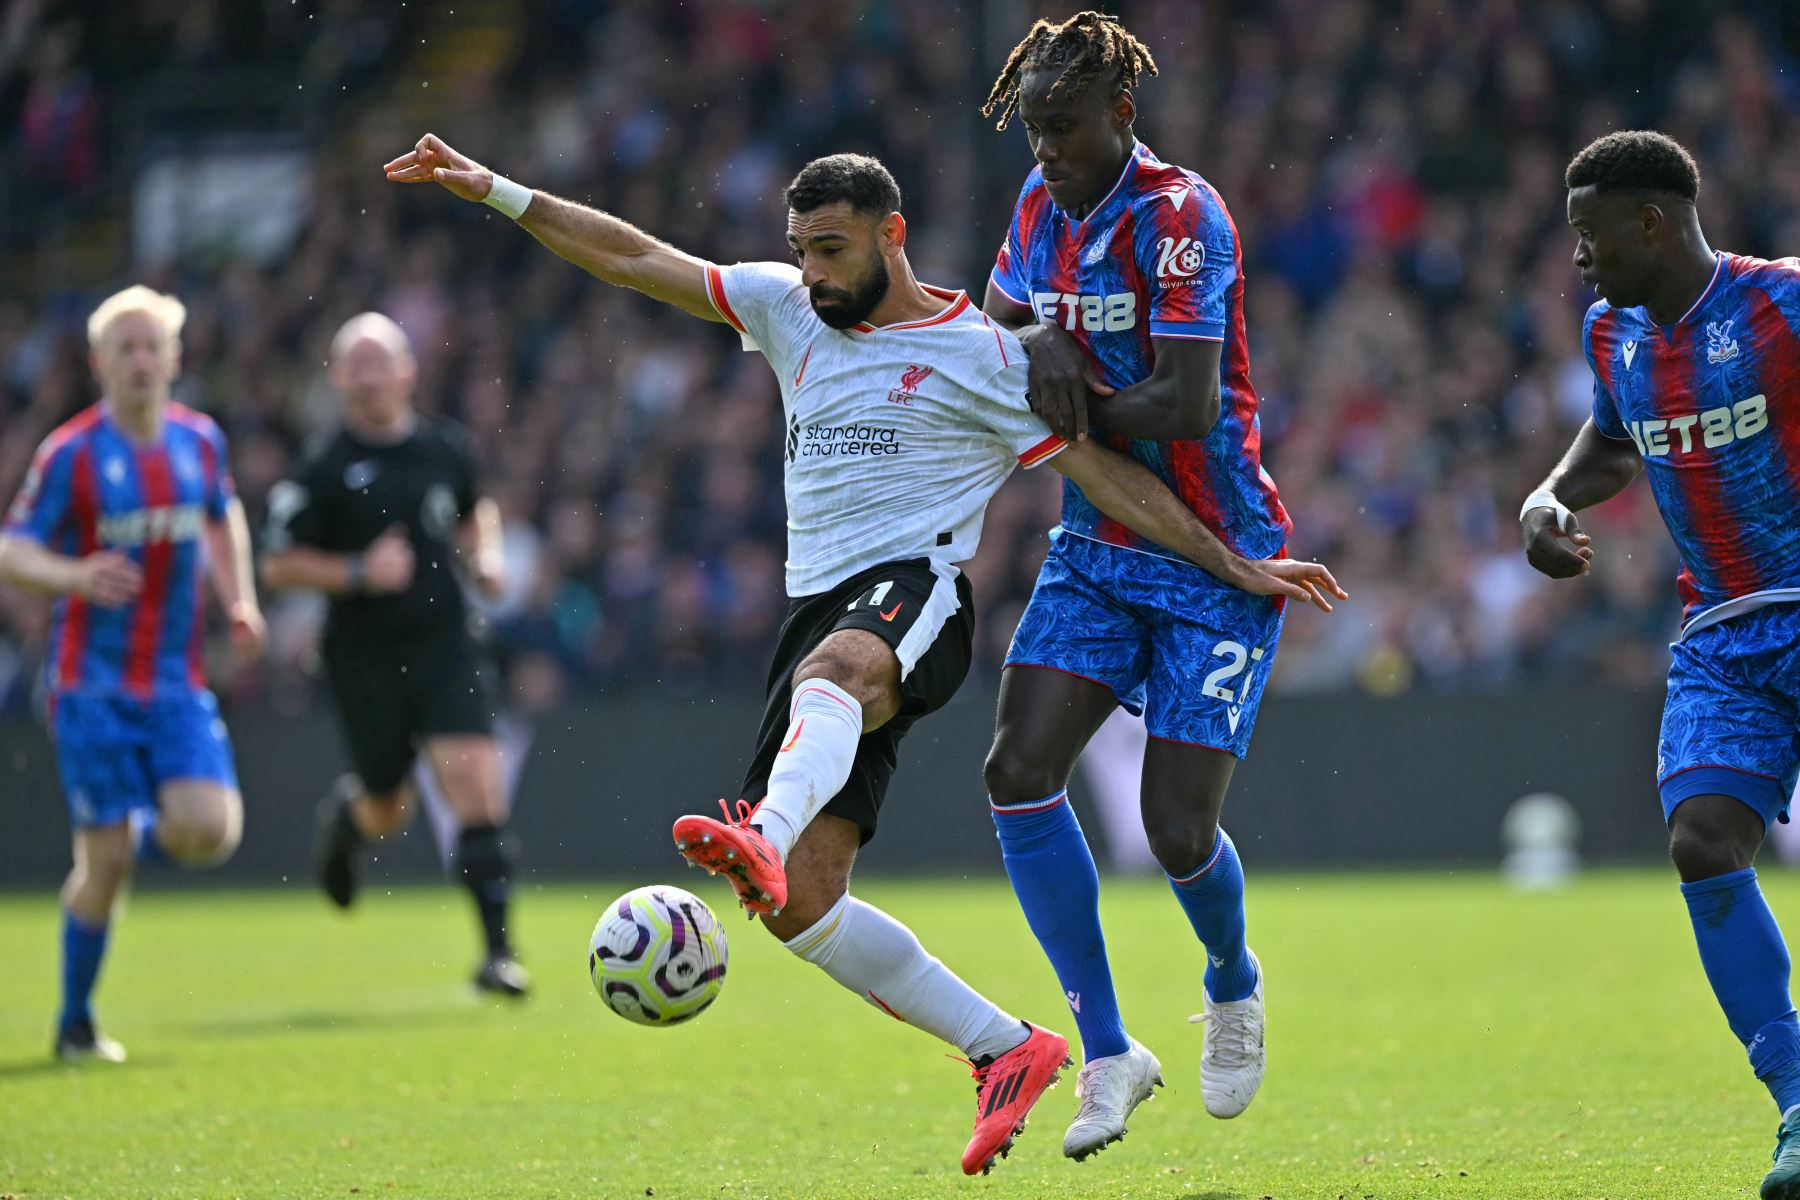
[306, 1021]
[26, 1068]
[331, 1020]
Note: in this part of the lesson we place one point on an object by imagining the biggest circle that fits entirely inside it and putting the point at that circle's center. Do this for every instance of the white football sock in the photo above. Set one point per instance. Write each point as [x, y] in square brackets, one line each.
[824, 727]
[880, 960]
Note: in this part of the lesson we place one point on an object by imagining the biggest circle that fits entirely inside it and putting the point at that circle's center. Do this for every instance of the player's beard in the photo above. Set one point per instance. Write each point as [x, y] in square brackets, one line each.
[852, 307]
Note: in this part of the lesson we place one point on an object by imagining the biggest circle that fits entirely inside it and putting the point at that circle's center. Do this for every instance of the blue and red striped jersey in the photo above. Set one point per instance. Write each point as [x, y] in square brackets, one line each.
[92, 488]
[1709, 402]
[1158, 257]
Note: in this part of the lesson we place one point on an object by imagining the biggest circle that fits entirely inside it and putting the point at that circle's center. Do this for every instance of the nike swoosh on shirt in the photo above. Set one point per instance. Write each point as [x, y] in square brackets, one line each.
[892, 612]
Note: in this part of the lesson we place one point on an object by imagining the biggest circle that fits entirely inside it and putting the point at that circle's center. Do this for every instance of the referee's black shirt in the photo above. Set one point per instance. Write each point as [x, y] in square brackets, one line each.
[348, 492]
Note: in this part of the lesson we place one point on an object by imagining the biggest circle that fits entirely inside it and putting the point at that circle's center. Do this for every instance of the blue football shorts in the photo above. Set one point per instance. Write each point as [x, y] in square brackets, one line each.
[1189, 653]
[1731, 723]
[114, 753]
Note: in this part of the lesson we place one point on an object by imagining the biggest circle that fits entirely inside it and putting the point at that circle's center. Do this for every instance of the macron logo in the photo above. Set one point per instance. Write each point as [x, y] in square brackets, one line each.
[1630, 353]
[1175, 193]
[1074, 1002]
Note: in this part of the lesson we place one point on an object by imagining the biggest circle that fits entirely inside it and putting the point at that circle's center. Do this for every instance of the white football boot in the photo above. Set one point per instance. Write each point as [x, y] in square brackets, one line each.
[1109, 1089]
[1233, 1059]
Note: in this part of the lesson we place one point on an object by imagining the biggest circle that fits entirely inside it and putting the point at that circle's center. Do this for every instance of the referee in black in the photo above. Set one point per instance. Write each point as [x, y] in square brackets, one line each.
[379, 518]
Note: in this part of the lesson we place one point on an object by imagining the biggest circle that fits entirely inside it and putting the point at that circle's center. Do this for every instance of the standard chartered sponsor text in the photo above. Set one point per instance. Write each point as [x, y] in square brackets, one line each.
[834, 441]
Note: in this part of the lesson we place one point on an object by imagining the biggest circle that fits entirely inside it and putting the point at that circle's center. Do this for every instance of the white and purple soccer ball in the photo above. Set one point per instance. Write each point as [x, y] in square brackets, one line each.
[658, 956]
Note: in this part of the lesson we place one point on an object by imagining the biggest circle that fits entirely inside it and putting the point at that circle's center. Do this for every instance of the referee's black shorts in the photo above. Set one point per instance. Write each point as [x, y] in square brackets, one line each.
[926, 612]
[389, 697]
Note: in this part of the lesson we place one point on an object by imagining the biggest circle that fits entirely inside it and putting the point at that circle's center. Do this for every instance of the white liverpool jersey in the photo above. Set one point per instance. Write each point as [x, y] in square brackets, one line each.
[897, 436]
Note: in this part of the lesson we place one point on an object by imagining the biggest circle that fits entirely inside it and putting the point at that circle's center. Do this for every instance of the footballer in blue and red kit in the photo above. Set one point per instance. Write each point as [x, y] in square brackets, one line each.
[129, 706]
[1708, 406]
[1123, 277]
[126, 514]
[1157, 258]
[1696, 363]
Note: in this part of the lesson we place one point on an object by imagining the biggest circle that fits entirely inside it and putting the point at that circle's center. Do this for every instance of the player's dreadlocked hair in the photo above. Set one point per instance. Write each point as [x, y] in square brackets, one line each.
[1635, 160]
[1088, 46]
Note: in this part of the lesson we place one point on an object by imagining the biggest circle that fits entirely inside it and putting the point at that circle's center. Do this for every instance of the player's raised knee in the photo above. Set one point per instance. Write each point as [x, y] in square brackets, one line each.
[1181, 847]
[863, 666]
[857, 678]
[206, 835]
[1014, 775]
[821, 665]
[1713, 835]
[206, 846]
[217, 840]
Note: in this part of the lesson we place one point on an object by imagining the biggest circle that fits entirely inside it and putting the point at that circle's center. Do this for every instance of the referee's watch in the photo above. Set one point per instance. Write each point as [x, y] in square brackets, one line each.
[356, 582]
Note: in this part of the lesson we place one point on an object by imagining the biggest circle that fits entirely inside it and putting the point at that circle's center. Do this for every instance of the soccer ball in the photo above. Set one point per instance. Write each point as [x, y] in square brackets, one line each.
[658, 956]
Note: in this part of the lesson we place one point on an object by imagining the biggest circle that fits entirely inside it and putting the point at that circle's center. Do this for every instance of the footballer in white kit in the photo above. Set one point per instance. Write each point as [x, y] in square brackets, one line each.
[905, 411]
[897, 437]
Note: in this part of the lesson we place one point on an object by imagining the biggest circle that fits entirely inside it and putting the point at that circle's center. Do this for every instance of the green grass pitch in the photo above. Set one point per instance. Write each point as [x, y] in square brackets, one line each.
[1430, 1036]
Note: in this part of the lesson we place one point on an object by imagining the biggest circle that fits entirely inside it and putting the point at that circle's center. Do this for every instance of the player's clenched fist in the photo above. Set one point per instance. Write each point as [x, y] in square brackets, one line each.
[388, 563]
[1060, 378]
[433, 161]
[1559, 551]
[109, 579]
[488, 571]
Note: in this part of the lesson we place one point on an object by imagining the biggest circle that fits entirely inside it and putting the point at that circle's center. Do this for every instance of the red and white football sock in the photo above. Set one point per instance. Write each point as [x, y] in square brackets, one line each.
[880, 960]
[824, 727]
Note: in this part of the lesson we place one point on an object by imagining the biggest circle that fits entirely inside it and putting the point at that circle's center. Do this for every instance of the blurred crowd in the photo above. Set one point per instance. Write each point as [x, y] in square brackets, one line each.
[1394, 169]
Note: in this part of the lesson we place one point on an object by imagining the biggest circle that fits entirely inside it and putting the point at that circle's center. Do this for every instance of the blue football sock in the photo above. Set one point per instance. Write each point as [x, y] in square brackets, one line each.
[1747, 964]
[1052, 873]
[83, 946]
[1213, 898]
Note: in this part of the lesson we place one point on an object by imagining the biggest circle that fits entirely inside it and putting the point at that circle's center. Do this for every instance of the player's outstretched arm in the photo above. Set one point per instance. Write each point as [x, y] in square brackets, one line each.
[1129, 492]
[1595, 469]
[106, 577]
[602, 245]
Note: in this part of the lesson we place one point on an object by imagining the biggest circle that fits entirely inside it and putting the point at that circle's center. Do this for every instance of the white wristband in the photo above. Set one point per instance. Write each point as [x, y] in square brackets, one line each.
[1545, 498]
[509, 197]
